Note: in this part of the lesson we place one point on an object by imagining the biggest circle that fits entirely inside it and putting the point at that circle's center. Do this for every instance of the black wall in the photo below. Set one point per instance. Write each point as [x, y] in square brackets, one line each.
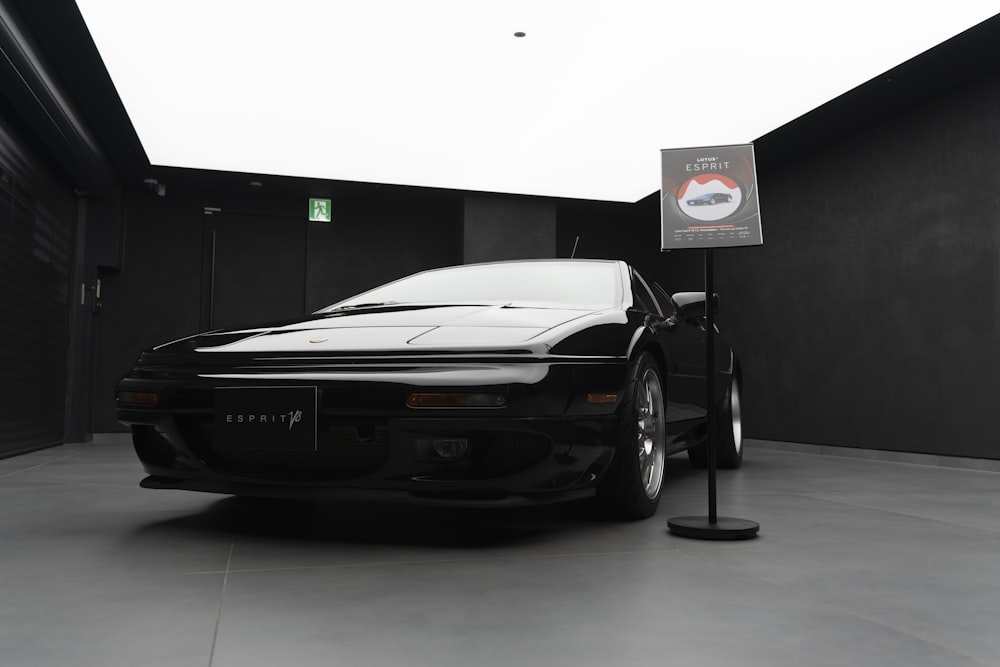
[498, 228]
[869, 317]
[157, 296]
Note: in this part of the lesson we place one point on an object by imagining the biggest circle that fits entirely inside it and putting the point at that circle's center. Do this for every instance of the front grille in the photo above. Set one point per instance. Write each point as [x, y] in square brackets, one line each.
[350, 450]
[342, 451]
[513, 451]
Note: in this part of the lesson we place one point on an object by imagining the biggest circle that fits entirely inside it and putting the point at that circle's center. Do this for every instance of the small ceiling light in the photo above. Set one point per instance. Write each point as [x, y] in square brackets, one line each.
[520, 34]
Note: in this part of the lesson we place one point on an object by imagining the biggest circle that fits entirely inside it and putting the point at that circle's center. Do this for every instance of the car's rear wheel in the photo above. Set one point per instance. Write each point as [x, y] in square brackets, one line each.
[729, 451]
[632, 485]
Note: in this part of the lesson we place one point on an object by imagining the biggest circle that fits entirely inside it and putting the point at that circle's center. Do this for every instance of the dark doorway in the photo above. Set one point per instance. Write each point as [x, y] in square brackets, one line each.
[255, 269]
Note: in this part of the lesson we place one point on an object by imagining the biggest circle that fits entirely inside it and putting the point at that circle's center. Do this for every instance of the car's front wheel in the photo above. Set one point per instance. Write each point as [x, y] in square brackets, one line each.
[631, 487]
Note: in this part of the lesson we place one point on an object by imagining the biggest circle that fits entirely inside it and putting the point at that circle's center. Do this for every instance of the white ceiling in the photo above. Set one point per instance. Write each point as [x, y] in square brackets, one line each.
[441, 93]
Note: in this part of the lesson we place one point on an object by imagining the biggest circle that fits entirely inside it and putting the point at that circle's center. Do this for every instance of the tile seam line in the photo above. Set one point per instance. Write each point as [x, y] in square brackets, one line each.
[845, 503]
[838, 607]
[433, 561]
[892, 627]
[226, 571]
[222, 599]
[847, 609]
[40, 465]
[850, 454]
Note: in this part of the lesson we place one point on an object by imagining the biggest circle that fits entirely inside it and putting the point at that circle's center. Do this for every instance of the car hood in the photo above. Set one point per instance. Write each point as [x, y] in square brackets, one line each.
[388, 328]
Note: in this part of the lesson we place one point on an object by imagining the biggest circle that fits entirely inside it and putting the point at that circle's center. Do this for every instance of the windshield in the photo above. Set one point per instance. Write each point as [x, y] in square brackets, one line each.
[567, 283]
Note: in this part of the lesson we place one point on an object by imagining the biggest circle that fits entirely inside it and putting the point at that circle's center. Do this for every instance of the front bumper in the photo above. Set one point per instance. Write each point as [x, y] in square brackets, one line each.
[520, 461]
[547, 443]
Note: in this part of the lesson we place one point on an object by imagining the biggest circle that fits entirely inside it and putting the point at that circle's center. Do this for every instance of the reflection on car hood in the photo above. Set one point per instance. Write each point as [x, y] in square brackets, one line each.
[393, 327]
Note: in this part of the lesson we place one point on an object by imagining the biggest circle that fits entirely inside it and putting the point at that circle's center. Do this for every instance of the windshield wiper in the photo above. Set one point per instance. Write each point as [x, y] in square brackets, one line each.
[408, 305]
[356, 306]
[371, 304]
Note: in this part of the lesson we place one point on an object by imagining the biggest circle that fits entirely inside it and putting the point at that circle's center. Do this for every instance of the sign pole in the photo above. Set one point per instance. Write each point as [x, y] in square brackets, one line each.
[713, 425]
[712, 527]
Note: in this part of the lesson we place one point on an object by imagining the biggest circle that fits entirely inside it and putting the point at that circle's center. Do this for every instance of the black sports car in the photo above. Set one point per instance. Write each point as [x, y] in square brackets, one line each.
[484, 384]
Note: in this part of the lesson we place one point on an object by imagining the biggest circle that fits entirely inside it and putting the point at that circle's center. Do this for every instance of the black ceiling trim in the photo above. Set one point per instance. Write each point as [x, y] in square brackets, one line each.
[34, 92]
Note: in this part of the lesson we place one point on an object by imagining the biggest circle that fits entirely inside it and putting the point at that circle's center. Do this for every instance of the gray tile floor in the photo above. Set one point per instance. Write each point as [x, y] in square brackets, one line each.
[859, 562]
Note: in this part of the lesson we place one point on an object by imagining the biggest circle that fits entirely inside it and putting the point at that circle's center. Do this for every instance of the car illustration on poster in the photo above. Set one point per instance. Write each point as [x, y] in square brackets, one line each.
[710, 198]
[492, 384]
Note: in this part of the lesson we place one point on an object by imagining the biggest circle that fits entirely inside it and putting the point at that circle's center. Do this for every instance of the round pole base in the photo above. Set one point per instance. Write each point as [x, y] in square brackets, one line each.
[725, 528]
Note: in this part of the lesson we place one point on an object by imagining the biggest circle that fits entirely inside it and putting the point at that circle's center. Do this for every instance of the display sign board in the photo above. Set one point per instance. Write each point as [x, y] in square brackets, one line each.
[319, 210]
[708, 198]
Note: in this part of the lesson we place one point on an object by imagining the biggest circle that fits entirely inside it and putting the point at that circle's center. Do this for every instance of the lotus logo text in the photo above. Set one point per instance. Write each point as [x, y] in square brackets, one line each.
[292, 417]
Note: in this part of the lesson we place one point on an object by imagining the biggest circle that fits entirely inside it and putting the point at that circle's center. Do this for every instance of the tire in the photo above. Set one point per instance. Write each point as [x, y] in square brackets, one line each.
[729, 452]
[632, 485]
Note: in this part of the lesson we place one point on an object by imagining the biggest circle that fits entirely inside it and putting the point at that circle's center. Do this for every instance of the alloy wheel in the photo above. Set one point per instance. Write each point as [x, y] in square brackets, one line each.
[650, 432]
[734, 411]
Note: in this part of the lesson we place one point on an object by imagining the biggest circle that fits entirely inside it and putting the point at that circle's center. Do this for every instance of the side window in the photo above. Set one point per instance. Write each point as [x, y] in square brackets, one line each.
[644, 300]
[666, 303]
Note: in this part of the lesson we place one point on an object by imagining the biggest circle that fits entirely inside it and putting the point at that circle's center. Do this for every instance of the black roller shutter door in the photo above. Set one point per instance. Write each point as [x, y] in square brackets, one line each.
[37, 221]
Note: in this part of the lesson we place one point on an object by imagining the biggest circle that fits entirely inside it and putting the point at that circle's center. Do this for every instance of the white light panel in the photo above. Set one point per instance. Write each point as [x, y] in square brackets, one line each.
[440, 93]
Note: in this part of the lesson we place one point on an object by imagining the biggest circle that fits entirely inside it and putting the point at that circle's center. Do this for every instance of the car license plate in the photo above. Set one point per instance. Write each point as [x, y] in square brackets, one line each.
[265, 419]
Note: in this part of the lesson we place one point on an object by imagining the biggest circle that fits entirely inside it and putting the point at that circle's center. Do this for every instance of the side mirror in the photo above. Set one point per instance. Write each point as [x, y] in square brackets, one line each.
[691, 305]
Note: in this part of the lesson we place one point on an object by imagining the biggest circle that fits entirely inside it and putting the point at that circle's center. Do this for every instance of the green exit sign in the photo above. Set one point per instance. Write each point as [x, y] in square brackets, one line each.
[319, 210]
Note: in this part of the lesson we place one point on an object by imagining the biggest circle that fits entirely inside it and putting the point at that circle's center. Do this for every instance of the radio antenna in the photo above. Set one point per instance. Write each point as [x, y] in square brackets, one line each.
[573, 254]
